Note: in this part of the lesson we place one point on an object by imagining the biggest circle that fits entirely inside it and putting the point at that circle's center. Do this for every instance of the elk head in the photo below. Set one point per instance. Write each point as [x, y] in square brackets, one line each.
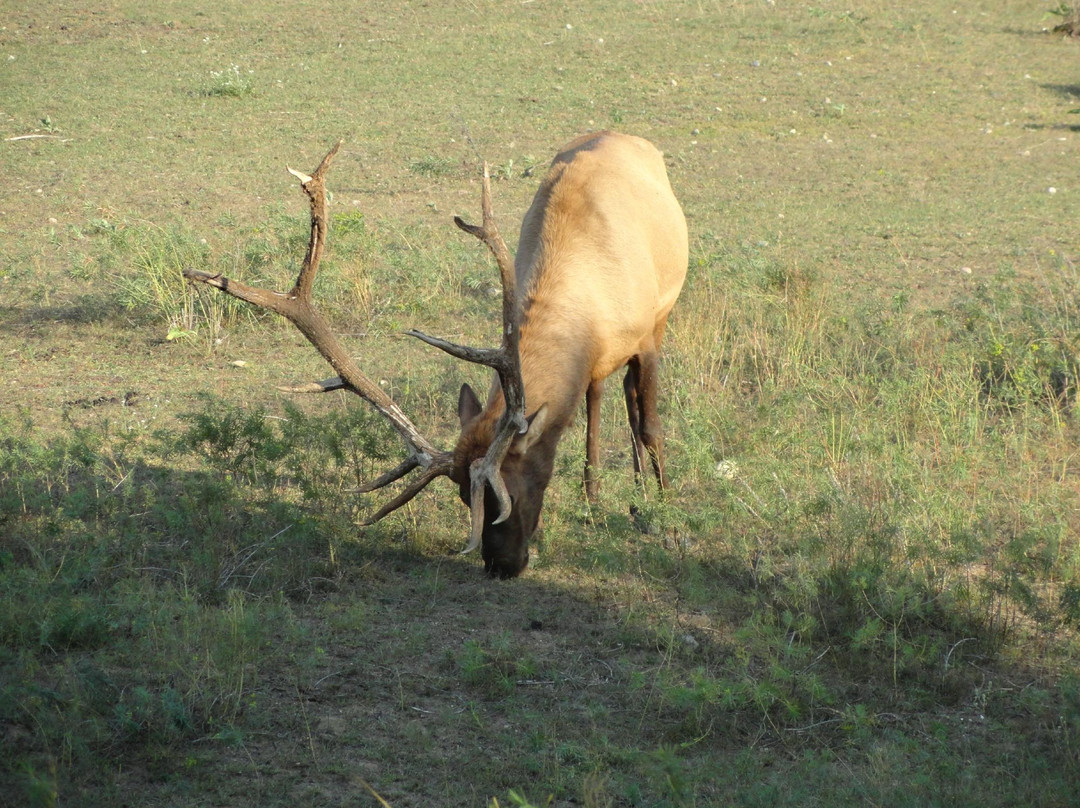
[502, 520]
[525, 472]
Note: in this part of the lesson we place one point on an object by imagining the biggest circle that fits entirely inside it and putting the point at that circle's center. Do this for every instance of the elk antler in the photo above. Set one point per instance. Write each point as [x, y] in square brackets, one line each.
[506, 361]
[296, 306]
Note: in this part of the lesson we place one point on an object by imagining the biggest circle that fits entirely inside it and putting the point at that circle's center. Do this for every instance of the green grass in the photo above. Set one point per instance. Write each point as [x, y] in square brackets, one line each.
[864, 584]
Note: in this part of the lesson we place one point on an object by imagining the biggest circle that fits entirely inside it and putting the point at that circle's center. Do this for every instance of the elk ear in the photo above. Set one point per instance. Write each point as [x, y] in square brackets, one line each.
[527, 439]
[468, 405]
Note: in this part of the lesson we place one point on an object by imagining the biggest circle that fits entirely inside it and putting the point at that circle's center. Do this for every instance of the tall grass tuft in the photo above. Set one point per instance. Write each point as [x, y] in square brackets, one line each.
[146, 265]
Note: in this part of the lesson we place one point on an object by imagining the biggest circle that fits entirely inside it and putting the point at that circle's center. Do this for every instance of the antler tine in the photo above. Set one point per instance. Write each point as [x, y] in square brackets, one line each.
[315, 187]
[387, 477]
[296, 306]
[440, 467]
[489, 234]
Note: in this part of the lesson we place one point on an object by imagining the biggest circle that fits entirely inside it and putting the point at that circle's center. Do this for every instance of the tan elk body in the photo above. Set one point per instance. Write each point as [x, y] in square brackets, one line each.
[601, 260]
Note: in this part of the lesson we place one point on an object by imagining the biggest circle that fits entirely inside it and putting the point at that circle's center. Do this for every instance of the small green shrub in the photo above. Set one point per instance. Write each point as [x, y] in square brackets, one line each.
[496, 669]
[245, 444]
[231, 82]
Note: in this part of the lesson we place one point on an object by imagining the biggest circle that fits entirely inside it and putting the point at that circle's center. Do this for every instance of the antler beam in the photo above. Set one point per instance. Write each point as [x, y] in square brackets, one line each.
[506, 361]
[296, 306]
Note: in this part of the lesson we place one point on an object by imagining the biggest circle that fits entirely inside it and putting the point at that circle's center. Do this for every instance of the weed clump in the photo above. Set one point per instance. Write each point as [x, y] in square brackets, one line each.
[1025, 340]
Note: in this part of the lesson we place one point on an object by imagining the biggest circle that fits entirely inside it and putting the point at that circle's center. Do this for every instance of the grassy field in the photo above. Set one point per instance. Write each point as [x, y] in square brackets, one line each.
[864, 586]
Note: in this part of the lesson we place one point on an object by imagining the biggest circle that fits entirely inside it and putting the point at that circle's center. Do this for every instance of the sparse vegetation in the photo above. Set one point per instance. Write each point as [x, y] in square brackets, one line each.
[864, 586]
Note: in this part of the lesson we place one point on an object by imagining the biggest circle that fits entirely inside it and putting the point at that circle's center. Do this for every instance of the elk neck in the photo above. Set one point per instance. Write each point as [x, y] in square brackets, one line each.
[557, 358]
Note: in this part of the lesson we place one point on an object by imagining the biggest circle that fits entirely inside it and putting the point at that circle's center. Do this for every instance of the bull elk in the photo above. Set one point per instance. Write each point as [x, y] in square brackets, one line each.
[600, 262]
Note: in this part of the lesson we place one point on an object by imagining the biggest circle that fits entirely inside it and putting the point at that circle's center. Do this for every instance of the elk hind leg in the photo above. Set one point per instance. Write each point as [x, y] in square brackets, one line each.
[640, 387]
[633, 414]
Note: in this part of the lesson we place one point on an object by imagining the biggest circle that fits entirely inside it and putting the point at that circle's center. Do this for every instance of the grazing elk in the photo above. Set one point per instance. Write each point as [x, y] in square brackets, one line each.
[600, 262]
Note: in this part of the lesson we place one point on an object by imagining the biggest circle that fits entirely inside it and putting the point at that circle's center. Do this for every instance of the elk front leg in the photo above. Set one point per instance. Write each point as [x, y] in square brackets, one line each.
[592, 438]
